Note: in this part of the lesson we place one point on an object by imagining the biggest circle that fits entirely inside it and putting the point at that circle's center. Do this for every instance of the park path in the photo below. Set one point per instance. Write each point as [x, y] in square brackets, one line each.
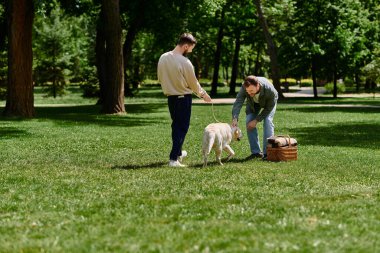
[305, 92]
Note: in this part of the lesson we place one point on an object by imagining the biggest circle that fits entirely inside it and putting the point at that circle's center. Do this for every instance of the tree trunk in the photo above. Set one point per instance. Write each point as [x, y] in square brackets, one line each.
[335, 90]
[127, 47]
[3, 31]
[136, 73]
[218, 53]
[235, 64]
[205, 69]
[357, 81]
[114, 96]
[314, 75]
[257, 61]
[127, 55]
[373, 85]
[367, 84]
[271, 49]
[100, 51]
[20, 100]
[197, 67]
[225, 74]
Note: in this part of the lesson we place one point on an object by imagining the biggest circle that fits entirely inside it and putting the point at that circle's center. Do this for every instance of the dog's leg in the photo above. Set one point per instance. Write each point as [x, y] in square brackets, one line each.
[208, 142]
[230, 152]
[204, 160]
[218, 154]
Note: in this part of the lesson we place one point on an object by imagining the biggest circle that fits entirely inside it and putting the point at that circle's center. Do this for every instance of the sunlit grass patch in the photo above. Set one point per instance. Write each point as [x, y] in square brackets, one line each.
[73, 180]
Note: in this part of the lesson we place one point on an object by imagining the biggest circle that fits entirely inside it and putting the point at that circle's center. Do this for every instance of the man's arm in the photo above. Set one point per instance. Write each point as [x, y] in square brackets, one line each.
[192, 81]
[238, 104]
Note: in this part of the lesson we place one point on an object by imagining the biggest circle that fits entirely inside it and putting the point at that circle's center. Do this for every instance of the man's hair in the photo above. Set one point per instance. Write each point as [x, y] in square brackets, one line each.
[250, 80]
[186, 38]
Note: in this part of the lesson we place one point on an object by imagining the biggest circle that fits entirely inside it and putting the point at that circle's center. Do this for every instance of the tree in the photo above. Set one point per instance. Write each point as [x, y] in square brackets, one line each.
[51, 48]
[344, 30]
[20, 100]
[82, 16]
[235, 63]
[241, 24]
[3, 27]
[136, 22]
[100, 56]
[114, 79]
[218, 51]
[203, 22]
[272, 49]
[369, 57]
[3, 53]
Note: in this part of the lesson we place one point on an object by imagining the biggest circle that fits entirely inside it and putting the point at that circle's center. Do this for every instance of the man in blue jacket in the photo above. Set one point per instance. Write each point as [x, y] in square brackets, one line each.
[261, 103]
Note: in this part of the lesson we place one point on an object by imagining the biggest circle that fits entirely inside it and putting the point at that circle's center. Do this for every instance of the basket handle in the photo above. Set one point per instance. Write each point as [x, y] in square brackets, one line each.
[285, 136]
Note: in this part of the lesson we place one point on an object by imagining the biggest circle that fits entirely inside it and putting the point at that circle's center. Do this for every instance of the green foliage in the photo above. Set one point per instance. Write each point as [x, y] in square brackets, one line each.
[3, 74]
[91, 87]
[334, 35]
[299, 82]
[73, 95]
[143, 64]
[3, 93]
[60, 48]
[81, 48]
[330, 88]
[52, 60]
[372, 69]
[341, 38]
[76, 181]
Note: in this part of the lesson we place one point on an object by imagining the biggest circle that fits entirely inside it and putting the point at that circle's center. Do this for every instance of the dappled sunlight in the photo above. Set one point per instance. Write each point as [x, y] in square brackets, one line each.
[362, 135]
[331, 109]
[90, 114]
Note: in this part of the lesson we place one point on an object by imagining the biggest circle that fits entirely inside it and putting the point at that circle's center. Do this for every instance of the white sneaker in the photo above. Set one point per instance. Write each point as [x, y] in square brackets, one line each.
[173, 163]
[183, 155]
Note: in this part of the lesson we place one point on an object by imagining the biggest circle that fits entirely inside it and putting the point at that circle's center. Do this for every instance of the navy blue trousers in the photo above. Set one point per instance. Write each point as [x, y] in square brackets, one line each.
[180, 112]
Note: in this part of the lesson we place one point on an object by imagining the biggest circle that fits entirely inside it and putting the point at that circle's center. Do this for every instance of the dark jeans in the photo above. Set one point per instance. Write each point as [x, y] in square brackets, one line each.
[180, 112]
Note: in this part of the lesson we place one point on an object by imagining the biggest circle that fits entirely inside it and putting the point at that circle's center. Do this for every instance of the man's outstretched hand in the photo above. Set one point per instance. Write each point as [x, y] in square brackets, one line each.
[234, 122]
[206, 98]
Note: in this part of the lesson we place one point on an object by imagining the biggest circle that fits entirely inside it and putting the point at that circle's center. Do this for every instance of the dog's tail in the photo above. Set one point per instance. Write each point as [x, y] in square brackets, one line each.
[208, 142]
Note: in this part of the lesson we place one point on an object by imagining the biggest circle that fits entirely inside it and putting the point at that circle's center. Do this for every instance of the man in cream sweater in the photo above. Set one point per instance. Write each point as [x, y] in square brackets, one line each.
[178, 81]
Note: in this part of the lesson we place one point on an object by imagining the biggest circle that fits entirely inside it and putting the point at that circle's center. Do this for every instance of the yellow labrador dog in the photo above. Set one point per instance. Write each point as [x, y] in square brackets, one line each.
[218, 136]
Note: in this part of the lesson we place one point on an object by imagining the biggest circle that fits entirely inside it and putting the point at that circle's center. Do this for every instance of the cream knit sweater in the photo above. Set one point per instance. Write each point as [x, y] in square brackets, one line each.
[176, 75]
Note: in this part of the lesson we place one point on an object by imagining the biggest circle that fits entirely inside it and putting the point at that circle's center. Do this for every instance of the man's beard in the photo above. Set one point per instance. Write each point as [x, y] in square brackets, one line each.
[185, 52]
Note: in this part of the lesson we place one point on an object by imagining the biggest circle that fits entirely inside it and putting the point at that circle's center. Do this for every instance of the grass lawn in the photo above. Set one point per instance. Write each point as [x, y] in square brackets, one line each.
[73, 180]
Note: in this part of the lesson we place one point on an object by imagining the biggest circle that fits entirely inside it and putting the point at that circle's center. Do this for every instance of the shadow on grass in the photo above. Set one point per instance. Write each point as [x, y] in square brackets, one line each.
[364, 135]
[90, 114]
[151, 91]
[140, 166]
[213, 163]
[164, 164]
[335, 101]
[9, 132]
[319, 109]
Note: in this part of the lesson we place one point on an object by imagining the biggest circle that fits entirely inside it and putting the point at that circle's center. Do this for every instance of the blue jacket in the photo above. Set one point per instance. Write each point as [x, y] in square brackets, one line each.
[267, 100]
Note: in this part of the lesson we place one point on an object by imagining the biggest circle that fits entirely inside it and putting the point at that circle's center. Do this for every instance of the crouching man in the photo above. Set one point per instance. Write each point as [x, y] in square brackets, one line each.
[261, 97]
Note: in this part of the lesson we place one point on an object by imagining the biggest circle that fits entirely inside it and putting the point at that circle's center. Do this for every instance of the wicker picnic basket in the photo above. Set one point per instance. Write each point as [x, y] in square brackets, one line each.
[284, 153]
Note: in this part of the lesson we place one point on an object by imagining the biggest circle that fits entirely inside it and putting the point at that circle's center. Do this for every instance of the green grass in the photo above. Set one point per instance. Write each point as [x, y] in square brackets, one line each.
[354, 101]
[73, 180]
